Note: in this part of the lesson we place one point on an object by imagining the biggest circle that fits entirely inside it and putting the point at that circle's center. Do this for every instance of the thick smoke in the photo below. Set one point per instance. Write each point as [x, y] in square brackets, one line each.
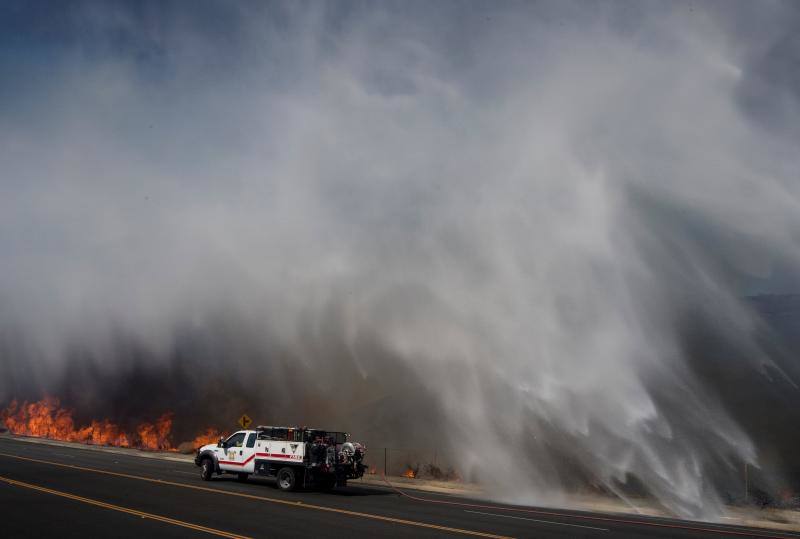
[497, 228]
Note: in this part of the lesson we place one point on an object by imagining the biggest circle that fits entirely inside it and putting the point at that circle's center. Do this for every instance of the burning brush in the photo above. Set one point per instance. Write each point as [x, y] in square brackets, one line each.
[48, 419]
[411, 472]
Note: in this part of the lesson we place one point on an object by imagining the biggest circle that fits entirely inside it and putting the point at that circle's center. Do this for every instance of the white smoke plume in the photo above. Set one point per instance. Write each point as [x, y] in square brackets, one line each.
[508, 212]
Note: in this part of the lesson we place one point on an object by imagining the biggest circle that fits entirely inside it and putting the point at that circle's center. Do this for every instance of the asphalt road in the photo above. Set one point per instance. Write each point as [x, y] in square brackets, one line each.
[71, 492]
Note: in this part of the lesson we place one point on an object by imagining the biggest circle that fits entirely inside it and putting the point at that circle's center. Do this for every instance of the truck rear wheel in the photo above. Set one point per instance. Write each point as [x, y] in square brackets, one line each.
[287, 480]
[206, 469]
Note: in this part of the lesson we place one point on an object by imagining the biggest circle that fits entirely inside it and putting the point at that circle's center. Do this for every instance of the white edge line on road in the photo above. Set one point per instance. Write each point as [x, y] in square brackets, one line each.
[741, 524]
[127, 452]
[536, 520]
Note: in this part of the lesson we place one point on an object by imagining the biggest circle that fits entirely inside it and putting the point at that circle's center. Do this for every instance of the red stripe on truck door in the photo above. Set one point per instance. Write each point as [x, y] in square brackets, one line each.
[251, 457]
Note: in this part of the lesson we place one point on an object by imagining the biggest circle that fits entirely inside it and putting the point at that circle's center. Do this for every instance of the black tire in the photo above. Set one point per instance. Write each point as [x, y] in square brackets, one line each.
[206, 469]
[287, 479]
[242, 477]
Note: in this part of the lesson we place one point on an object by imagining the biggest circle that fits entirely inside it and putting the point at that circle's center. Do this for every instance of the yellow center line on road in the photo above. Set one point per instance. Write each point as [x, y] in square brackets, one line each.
[266, 499]
[123, 509]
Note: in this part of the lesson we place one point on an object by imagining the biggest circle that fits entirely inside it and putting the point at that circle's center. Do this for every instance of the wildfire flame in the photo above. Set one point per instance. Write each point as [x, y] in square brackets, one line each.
[154, 435]
[410, 473]
[210, 436]
[48, 419]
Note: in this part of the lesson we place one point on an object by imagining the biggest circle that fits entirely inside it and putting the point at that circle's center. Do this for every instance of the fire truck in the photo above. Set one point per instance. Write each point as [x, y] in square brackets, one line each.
[298, 457]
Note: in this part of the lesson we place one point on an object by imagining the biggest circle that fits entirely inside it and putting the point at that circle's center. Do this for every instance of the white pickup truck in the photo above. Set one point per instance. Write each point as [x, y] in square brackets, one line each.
[296, 456]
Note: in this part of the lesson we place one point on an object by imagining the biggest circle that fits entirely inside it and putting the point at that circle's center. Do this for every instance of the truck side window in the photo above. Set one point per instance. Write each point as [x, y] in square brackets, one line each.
[251, 440]
[236, 440]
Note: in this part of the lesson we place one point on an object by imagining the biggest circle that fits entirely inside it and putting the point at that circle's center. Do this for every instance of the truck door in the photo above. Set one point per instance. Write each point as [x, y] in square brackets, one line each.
[240, 453]
[247, 455]
[232, 460]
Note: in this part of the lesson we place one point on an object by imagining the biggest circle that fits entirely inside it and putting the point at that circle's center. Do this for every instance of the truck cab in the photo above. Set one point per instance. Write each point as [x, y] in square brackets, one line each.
[238, 452]
[295, 456]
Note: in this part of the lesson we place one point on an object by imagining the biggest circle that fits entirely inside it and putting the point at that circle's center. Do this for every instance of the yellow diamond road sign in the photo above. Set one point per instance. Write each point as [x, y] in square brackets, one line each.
[245, 421]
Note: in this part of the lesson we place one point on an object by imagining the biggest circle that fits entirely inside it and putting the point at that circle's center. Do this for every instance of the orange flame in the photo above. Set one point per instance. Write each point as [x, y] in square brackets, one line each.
[154, 436]
[410, 473]
[210, 436]
[47, 419]
[98, 433]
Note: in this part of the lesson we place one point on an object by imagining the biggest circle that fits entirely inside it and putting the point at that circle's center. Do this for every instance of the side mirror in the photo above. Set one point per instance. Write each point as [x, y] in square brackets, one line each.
[221, 442]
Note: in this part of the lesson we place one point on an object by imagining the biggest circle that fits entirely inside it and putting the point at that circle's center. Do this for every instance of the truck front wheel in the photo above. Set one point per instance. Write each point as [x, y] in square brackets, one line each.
[286, 479]
[206, 469]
